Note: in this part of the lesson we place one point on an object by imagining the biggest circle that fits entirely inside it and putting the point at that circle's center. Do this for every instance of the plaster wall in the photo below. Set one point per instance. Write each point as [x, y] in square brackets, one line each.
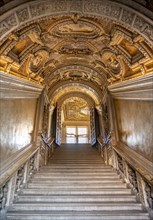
[135, 125]
[16, 125]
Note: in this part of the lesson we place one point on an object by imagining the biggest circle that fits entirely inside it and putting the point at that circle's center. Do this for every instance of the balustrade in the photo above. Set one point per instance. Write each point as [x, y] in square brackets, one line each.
[136, 177]
[46, 148]
[14, 178]
[141, 186]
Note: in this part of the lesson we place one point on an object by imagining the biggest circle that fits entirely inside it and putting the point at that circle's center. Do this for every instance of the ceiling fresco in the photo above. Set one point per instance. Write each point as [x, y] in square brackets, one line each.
[75, 48]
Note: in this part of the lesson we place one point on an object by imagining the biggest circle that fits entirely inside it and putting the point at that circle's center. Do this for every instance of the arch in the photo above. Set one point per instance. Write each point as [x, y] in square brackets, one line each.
[116, 11]
[86, 97]
[68, 87]
[84, 69]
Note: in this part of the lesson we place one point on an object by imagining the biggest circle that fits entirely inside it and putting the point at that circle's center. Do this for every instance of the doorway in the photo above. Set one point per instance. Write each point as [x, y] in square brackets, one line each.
[77, 134]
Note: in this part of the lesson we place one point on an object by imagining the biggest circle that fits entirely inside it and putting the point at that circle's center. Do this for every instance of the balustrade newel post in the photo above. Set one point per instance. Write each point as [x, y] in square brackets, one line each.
[125, 171]
[11, 190]
[37, 160]
[25, 178]
[115, 161]
[46, 154]
[105, 154]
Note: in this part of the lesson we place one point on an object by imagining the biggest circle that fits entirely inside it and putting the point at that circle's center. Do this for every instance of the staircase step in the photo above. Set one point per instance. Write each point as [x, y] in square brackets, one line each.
[76, 185]
[45, 215]
[77, 168]
[59, 182]
[77, 198]
[77, 206]
[90, 191]
[78, 178]
[111, 178]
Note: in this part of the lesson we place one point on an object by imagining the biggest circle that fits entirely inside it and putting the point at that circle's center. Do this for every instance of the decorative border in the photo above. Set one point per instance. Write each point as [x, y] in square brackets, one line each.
[117, 12]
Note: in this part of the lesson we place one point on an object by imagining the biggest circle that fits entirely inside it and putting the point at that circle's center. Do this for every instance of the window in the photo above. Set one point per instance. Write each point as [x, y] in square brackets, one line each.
[77, 134]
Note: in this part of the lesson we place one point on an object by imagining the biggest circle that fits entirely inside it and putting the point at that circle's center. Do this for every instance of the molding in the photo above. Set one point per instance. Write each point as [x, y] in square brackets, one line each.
[140, 7]
[85, 84]
[138, 162]
[12, 87]
[116, 11]
[134, 89]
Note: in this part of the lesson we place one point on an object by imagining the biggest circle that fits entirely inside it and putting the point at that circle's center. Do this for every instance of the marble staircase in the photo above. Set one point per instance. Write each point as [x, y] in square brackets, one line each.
[76, 185]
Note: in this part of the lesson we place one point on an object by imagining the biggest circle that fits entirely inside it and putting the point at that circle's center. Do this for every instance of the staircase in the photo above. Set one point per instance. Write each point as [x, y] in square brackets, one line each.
[76, 185]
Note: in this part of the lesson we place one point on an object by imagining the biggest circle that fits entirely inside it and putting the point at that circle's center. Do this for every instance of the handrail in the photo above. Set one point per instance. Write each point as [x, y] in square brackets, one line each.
[136, 171]
[15, 174]
[15, 164]
[141, 165]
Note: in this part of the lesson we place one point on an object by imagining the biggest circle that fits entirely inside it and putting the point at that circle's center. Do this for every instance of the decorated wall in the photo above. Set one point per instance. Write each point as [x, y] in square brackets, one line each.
[135, 124]
[16, 125]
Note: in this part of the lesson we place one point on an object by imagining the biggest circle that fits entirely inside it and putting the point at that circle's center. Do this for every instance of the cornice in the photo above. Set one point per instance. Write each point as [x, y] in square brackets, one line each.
[138, 88]
[12, 87]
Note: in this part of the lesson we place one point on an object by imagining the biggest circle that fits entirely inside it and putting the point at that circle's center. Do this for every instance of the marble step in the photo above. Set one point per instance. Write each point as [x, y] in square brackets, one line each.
[77, 198]
[110, 206]
[119, 215]
[76, 185]
[79, 174]
[75, 170]
[74, 178]
[79, 167]
[83, 182]
[67, 192]
[77, 161]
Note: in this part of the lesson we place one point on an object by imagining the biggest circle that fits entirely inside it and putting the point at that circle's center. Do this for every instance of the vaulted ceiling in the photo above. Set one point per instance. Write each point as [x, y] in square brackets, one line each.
[75, 48]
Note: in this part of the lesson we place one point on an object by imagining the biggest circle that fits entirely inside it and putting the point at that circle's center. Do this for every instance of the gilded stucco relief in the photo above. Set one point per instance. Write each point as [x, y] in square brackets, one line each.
[43, 50]
[76, 109]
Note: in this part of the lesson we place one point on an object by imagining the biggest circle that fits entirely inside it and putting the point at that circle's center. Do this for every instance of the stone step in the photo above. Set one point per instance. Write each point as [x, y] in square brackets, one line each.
[80, 178]
[77, 198]
[85, 182]
[75, 186]
[76, 163]
[119, 215]
[63, 171]
[76, 167]
[77, 160]
[79, 173]
[77, 206]
[67, 192]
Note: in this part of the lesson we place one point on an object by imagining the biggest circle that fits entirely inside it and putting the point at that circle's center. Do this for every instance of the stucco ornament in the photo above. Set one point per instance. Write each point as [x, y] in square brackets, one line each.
[113, 64]
[37, 61]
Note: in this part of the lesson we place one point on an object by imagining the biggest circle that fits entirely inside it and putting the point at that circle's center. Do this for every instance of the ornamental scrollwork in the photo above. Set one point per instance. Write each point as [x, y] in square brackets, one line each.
[133, 179]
